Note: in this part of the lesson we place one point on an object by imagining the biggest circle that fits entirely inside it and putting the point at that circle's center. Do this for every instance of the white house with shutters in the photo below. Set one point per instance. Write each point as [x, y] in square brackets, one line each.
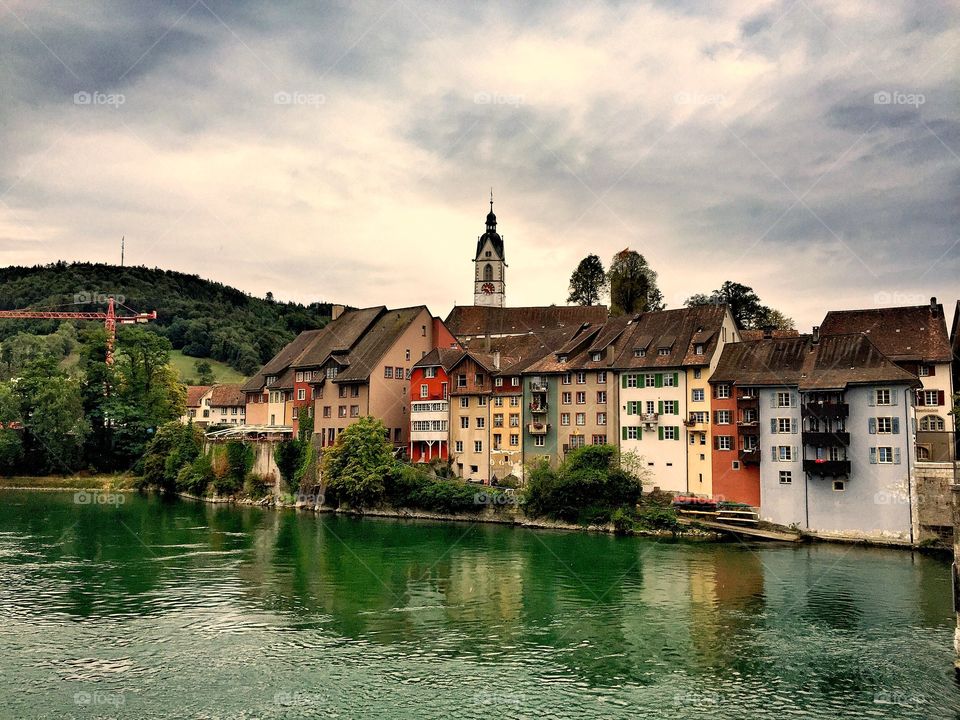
[653, 405]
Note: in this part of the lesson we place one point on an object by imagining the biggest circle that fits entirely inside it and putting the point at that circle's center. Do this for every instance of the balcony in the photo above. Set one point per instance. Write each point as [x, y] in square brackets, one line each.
[538, 428]
[538, 386]
[826, 439]
[750, 457]
[538, 407]
[649, 418]
[825, 411]
[695, 423]
[827, 468]
[748, 427]
[748, 401]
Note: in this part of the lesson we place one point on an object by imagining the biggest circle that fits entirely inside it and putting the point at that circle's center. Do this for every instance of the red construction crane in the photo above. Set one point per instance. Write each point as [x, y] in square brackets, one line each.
[110, 319]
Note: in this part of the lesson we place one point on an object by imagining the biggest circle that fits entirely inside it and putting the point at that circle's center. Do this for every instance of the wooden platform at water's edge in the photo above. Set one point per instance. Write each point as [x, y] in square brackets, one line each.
[745, 531]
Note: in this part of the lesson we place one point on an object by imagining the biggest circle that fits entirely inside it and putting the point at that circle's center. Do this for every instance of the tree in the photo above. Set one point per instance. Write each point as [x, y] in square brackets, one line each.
[11, 442]
[745, 306]
[359, 461]
[204, 372]
[633, 284]
[289, 456]
[588, 282]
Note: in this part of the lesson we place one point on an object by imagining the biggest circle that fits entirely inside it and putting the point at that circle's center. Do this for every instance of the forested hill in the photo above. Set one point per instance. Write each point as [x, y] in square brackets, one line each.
[205, 319]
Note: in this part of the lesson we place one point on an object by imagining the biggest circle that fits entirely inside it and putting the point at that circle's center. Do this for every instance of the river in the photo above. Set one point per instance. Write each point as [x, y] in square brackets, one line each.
[152, 608]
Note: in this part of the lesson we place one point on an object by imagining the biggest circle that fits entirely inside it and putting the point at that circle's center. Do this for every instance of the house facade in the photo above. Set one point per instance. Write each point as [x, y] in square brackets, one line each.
[430, 405]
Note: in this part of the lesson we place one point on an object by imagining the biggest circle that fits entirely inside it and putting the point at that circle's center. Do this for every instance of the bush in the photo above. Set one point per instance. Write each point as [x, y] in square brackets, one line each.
[288, 455]
[355, 467]
[196, 477]
[257, 486]
[623, 521]
[305, 477]
[231, 467]
[587, 488]
[658, 517]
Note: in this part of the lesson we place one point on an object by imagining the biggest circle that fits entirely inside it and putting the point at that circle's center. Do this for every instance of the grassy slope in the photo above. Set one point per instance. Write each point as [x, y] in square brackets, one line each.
[221, 371]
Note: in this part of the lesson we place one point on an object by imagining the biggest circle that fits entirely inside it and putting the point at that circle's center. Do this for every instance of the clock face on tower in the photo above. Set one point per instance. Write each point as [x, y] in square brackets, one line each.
[487, 288]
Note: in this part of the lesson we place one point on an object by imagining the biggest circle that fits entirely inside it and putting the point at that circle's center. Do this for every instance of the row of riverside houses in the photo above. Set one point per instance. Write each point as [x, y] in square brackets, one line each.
[809, 429]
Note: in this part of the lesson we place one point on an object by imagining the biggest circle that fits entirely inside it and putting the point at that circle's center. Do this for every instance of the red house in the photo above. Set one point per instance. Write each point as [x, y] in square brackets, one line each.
[430, 405]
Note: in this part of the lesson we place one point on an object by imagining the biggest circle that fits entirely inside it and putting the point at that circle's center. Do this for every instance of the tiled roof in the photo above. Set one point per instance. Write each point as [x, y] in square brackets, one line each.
[518, 352]
[751, 335]
[366, 354]
[473, 320]
[440, 357]
[831, 364]
[282, 360]
[673, 330]
[194, 393]
[227, 395]
[902, 333]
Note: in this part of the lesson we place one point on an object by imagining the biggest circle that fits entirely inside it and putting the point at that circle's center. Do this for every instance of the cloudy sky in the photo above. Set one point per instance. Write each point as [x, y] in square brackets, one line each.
[345, 151]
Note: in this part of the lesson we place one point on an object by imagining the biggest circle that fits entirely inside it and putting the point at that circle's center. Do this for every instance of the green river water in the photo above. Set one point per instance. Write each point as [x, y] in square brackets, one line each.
[172, 609]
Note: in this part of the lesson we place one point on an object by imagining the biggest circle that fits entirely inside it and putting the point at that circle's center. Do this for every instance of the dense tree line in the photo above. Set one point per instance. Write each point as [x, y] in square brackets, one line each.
[202, 318]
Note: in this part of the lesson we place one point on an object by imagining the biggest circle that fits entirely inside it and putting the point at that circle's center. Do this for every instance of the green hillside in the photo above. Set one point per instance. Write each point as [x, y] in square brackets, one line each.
[222, 373]
[201, 318]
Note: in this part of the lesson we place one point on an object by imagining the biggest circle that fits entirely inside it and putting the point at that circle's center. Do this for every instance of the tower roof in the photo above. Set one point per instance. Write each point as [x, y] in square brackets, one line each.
[491, 234]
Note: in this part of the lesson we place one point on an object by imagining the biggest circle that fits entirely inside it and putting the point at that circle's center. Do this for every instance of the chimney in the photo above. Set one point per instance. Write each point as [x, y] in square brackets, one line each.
[768, 331]
[934, 310]
[336, 311]
[496, 360]
[816, 334]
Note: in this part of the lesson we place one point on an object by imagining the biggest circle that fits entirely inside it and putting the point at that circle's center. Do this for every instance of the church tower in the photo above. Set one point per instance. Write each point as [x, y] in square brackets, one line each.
[489, 286]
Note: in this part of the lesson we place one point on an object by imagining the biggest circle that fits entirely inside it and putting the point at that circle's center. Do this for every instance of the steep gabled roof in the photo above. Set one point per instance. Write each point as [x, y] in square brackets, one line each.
[282, 360]
[227, 395]
[517, 352]
[751, 335]
[677, 331]
[440, 357]
[833, 363]
[194, 393]
[903, 334]
[340, 337]
[379, 337]
[473, 320]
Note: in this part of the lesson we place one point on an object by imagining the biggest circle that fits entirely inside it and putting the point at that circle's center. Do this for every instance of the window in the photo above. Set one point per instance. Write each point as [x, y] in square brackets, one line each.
[299, 377]
[424, 391]
[697, 395]
[884, 455]
[581, 378]
[326, 411]
[514, 420]
[784, 425]
[630, 381]
[398, 372]
[632, 433]
[296, 412]
[566, 398]
[650, 380]
[581, 419]
[669, 407]
[599, 439]
[639, 352]
[567, 379]
[464, 402]
[388, 372]
[514, 440]
[497, 439]
[601, 418]
[696, 373]
[515, 401]
[602, 377]
[786, 477]
[650, 410]
[663, 351]
[884, 425]
[538, 440]
[735, 464]
[785, 453]
[332, 372]
[668, 380]
[596, 357]
[430, 372]
[723, 417]
[301, 394]
[481, 423]
[576, 441]
[724, 442]
[423, 332]
[498, 401]
[342, 391]
[783, 399]
[839, 485]
[461, 381]
[601, 397]
[482, 401]
[498, 382]
[698, 349]
[464, 423]
[932, 423]
[342, 411]
[407, 353]
[354, 411]
[458, 446]
[515, 381]
[480, 379]
[723, 391]
[929, 397]
[669, 433]
[581, 398]
[883, 397]
[498, 420]
[564, 418]
[924, 371]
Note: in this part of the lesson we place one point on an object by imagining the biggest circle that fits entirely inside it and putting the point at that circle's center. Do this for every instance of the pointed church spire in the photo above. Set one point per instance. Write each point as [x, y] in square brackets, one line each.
[491, 218]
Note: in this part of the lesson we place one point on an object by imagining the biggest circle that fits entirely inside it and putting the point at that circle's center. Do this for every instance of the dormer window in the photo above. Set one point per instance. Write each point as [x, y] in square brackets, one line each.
[639, 352]
[698, 349]
[332, 372]
[663, 351]
[271, 379]
[561, 358]
[596, 357]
